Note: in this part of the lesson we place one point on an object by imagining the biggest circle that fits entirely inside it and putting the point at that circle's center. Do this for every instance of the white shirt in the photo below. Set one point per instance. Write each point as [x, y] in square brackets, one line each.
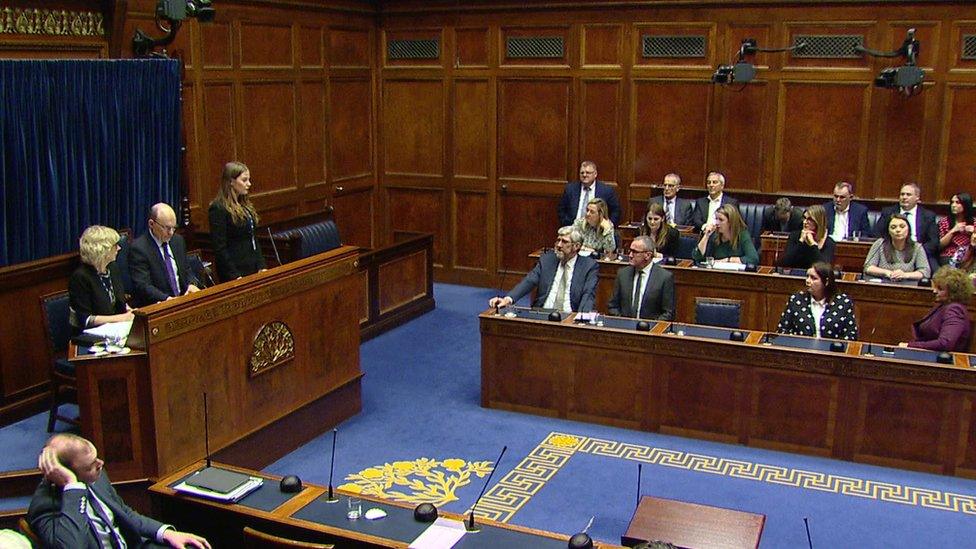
[817, 309]
[551, 298]
[584, 199]
[841, 222]
[912, 219]
[643, 286]
[713, 206]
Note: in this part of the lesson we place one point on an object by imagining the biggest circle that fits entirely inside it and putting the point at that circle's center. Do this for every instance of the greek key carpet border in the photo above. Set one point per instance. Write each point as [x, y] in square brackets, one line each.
[516, 488]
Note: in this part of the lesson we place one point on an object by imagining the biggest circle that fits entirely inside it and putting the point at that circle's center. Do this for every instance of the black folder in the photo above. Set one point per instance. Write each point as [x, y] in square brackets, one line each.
[217, 480]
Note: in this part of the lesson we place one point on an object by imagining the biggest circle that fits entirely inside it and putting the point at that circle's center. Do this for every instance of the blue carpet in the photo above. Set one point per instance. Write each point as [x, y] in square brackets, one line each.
[421, 395]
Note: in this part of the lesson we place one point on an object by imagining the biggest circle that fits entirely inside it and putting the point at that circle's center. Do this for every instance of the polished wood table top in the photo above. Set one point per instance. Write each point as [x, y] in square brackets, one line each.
[693, 525]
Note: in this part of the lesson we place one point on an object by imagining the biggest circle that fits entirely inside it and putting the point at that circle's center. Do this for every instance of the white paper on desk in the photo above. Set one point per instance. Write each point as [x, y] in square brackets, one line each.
[726, 266]
[443, 534]
[118, 330]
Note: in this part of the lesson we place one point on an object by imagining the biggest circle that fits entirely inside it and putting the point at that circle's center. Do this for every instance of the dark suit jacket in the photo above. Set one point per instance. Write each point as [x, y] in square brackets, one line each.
[837, 322]
[582, 288]
[569, 202]
[59, 518]
[802, 256]
[926, 231]
[87, 296]
[658, 301]
[150, 283]
[945, 328]
[234, 253]
[857, 218]
[683, 210]
[701, 209]
[771, 223]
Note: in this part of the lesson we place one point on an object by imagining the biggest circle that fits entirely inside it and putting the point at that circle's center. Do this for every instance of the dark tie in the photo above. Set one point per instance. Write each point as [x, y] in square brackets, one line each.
[174, 286]
[583, 202]
[94, 503]
[635, 302]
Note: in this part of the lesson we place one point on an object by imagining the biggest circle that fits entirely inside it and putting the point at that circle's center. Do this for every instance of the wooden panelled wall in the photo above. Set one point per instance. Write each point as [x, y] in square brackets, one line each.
[288, 90]
[475, 146]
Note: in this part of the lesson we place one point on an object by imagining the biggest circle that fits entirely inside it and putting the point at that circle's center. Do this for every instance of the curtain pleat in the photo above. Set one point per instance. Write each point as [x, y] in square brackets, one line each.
[84, 142]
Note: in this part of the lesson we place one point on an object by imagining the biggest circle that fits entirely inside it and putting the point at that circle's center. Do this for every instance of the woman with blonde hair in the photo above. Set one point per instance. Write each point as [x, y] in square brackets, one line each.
[596, 227]
[665, 237]
[727, 239]
[96, 294]
[810, 244]
[233, 220]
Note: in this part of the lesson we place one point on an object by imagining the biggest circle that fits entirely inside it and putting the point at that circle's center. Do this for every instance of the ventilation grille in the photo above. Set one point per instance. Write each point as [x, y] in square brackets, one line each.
[969, 46]
[546, 47]
[672, 46]
[830, 46]
[414, 49]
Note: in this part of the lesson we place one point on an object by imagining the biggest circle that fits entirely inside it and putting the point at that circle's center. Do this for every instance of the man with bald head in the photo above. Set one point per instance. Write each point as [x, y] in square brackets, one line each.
[76, 507]
[157, 260]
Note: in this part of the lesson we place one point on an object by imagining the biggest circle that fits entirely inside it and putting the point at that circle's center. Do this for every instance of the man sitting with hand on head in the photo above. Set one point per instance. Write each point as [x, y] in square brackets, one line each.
[76, 507]
[565, 279]
[157, 260]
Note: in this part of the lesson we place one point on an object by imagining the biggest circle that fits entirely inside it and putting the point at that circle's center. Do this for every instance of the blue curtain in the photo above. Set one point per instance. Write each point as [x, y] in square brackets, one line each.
[84, 143]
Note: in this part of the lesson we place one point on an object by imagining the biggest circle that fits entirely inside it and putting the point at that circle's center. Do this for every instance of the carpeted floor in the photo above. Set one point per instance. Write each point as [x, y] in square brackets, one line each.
[423, 436]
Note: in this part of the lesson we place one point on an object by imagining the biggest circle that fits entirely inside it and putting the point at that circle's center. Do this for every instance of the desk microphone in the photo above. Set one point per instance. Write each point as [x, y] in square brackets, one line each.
[640, 467]
[873, 329]
[582, 540]
[274, 246]
[206, 429]
[470, 526]
[806, 523]
[331, 497]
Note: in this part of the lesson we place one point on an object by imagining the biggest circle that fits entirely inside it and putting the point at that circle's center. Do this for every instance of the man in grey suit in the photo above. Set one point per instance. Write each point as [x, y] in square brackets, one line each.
[566, 281]
[75, 506]
[677, 211]
[643, 282]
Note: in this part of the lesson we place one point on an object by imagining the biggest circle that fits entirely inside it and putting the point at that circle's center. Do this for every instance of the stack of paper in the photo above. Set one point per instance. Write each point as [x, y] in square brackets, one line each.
[219, 484]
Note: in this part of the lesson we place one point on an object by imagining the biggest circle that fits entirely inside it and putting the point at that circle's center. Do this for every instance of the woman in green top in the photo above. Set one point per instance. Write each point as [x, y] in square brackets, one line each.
[727, 239]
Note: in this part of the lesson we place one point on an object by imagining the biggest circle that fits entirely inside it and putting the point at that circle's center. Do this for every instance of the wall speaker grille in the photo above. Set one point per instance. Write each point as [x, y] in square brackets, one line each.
[534, 47]
[428, 48]
[672, 46]
[829, 46]
[969, 46]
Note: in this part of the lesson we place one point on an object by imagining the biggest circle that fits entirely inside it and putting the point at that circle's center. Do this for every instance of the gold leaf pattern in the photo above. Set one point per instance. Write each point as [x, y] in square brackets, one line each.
[51, 22]
[423, 480]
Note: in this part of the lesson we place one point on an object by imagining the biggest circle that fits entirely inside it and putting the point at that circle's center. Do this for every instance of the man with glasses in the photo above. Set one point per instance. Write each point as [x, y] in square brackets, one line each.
[578, 194]
[75, 505]
[845, 218]
[157, 261]
[645, 283]
[566, 281]
[677, 211]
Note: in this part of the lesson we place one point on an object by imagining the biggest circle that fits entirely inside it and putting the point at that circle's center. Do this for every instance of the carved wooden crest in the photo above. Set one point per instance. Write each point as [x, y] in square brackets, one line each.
[273, 346]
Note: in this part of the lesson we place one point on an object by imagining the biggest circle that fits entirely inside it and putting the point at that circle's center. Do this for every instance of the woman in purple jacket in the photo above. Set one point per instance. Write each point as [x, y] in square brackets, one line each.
[946, 326]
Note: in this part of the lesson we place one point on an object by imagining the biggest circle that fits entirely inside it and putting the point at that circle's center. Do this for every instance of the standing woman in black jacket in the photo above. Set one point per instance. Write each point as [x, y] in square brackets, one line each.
[232, 223]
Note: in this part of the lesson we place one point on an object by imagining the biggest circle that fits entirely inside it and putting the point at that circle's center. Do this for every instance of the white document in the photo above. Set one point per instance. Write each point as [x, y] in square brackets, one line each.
[114, 330]
[442, 534]
[726, 266]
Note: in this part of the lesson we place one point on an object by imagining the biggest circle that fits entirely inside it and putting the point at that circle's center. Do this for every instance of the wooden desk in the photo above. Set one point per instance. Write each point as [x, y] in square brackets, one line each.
[848, 255]
[223, 523]
[887, 310]
[692, 525]
[277, 352]
[888, 412]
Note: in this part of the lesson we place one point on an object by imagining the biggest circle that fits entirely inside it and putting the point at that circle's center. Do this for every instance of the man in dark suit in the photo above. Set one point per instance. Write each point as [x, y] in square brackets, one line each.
[783, 217]
[157, 261]
[844, 216]
[566, 281]
[677, 211]
[76, 507]
[643, 282]
[925, 227]
[578, 194]
[706, 206]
